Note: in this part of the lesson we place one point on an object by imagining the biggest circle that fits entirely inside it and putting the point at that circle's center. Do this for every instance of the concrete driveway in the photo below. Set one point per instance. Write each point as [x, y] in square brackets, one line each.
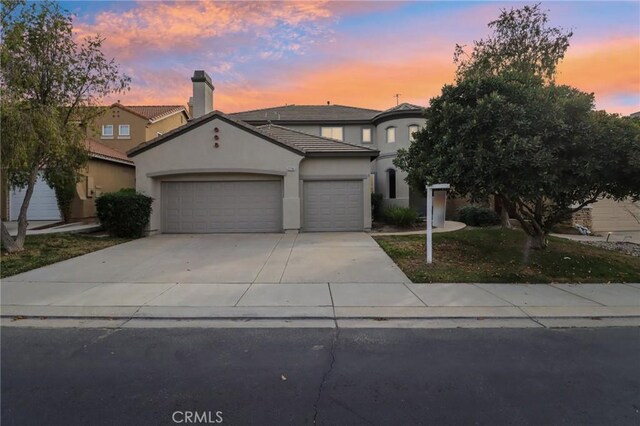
[230, 258]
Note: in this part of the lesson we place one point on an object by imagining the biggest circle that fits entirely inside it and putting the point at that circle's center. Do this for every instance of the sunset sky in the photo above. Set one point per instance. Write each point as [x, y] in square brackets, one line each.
[263, 54]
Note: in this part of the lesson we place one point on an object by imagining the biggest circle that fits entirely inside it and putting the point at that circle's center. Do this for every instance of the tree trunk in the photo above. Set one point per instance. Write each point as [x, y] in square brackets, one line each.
[504, 218]
[8, 242]
[538, 241]
[22, 217]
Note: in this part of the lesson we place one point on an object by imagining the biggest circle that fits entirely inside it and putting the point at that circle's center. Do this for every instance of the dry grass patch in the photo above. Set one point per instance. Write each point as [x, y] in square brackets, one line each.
[497, 256]
[45, 249]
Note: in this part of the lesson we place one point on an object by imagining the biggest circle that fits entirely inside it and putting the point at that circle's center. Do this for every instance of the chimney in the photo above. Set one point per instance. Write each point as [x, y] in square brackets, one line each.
[202, 93]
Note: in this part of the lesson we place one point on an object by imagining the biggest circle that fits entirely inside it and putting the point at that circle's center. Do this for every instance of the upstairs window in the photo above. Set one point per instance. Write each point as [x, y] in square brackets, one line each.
[107, 130]
[366, 135]
[124, 130]
[332, 132]
[391, 135]
[413, 129]
[391, 174]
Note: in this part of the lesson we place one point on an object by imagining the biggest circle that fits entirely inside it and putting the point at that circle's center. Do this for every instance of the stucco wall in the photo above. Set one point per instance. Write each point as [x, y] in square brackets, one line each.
[357, 168]
[103, 176]
[352, 133]
[117, 116]
[239, 152]
[164, 125]
[385, 161]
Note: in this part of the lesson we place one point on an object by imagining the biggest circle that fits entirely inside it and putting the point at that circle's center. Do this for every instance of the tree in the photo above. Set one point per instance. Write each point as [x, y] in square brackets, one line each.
[48, 80]
[505, 129]
[521, 44]
[539, 147]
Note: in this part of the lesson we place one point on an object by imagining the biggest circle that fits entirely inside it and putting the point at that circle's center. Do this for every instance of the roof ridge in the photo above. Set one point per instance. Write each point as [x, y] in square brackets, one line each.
[305, 105]
[316, 136]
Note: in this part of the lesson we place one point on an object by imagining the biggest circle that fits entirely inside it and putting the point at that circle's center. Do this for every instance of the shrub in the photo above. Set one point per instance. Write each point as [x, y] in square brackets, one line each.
[400, 216]
[477, 216]
[376, 206]
[124, 213]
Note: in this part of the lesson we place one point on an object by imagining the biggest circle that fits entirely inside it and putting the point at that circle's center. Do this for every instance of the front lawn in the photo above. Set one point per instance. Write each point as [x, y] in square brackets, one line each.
[45, 249]
[490, 255]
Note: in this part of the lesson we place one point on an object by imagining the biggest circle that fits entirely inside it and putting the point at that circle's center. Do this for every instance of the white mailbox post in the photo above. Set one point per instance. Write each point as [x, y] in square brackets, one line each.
[430, 189]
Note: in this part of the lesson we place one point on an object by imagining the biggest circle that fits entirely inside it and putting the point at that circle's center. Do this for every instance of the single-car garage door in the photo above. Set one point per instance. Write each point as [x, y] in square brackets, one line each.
[333, 205]
[42, 206]
[223, 206]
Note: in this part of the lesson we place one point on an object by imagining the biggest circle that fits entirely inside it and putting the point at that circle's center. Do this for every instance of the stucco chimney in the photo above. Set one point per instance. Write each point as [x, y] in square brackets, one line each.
[202, 93]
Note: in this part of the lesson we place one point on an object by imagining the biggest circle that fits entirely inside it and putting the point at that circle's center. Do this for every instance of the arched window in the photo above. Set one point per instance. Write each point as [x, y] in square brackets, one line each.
[391, 134]
[412, 130]
[391, 177]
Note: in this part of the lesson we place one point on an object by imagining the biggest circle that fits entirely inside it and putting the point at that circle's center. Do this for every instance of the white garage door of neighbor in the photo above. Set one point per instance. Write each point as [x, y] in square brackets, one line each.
[42, 206]
[333, 205]
[211, 207]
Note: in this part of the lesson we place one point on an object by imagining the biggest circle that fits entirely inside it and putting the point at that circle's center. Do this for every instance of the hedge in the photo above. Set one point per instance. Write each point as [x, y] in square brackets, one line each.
[124, 213]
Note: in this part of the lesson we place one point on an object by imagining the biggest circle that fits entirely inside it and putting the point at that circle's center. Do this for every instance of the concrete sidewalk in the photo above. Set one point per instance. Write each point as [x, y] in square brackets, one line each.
[328, 301]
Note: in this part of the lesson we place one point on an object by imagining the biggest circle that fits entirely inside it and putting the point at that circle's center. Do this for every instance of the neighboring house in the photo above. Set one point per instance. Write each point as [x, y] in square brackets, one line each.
[220, 174]
[123, 127]
[110, 135]
[385, 131]
[107, 170]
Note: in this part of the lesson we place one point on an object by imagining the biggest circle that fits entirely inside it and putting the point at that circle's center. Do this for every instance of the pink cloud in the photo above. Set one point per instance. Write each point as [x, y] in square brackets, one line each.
[163, 26]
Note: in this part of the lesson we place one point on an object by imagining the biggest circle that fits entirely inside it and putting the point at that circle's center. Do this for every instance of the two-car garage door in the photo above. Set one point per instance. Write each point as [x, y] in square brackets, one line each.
[256, 206]
[222, 206]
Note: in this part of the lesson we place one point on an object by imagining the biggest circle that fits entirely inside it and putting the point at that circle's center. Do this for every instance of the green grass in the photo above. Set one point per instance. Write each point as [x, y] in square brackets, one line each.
[497, 256]
[45, 249]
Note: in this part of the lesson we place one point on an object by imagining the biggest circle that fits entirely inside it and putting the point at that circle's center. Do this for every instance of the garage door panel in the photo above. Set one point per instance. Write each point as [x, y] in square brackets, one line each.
[225, 206]
[333, 206]
[42, 206]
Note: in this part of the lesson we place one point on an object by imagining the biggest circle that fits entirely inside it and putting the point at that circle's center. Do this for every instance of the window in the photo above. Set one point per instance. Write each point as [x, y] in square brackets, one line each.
[412, 129]
[366, 135]
[124, 131]
[107, 130]
[391, 134]
[332, 132]
[392, 183]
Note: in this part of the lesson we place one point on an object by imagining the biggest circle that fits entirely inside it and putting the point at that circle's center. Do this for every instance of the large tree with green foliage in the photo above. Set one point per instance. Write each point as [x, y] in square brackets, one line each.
[48, 80]
[505, 129]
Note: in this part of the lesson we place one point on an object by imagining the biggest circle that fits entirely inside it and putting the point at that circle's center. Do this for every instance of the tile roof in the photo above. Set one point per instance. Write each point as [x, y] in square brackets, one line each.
[102, 151]
[296, 141]
[152, 112]
[404, 107]
[309, 143]
[307, 113]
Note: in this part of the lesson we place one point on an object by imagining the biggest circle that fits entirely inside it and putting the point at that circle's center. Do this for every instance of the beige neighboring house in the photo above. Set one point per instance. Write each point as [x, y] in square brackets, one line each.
[123, 127]
[117, 130]
[108, 170]
[220, 174]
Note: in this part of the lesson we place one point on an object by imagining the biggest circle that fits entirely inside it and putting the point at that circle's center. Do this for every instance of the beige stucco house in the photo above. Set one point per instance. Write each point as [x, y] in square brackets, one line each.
[109, 136]
[219, 174]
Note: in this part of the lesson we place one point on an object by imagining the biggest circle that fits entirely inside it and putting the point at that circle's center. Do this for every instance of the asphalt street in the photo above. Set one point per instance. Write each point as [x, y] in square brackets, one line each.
[301, 376]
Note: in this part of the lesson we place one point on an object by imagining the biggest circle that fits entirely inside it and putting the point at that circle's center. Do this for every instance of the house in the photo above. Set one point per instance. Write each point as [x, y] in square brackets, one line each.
[108, 170]
[109, 136]
[123, 127]
[218, 173]
[385, 131]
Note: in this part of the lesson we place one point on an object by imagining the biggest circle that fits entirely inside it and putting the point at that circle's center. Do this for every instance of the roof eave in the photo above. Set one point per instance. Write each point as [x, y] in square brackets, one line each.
[303, 122]
[397, 114]
[199, 122]
[372, 155]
